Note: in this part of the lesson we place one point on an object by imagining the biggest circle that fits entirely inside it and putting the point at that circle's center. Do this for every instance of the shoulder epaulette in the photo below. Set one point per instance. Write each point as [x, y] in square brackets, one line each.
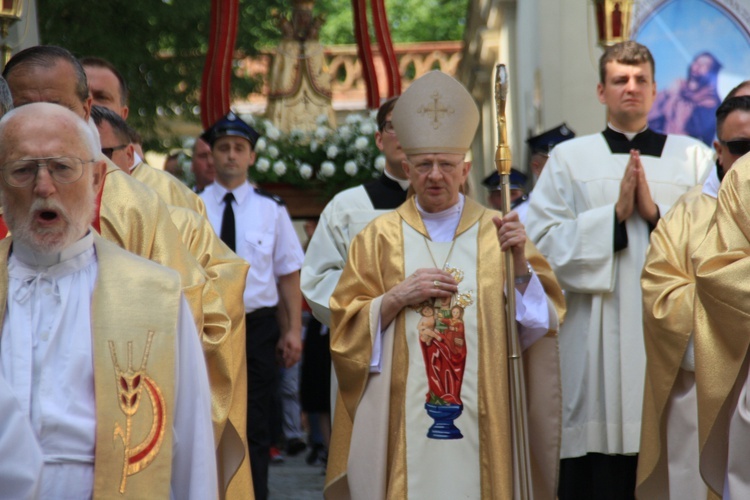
[274, 197]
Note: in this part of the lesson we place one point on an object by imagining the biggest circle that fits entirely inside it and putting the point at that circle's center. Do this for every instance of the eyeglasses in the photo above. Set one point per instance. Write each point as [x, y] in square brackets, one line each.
[108, 152]
[426, 166]
[388, 127]
[737, 147]
[62, 169]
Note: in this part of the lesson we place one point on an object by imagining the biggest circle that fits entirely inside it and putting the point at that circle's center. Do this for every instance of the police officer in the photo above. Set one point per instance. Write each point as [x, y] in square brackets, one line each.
[256, 225]
[541, 145]
[518, 193]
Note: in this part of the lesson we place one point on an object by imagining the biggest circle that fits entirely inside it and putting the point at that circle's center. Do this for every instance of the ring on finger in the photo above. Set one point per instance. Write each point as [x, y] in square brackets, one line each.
[436, 283]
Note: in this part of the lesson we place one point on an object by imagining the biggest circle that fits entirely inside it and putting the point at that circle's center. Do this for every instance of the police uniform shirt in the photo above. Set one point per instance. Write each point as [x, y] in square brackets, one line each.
[265, 238]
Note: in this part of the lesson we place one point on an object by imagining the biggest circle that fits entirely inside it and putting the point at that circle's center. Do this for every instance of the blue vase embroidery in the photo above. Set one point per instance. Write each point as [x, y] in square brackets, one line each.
[444, 415]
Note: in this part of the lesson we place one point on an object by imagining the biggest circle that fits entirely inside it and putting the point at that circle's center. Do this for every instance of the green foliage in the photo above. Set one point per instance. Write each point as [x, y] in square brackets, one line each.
[409, 20]
[160, 46]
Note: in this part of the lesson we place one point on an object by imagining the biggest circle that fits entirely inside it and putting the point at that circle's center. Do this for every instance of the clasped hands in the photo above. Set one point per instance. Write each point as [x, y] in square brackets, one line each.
[429, 283]
[635, 195]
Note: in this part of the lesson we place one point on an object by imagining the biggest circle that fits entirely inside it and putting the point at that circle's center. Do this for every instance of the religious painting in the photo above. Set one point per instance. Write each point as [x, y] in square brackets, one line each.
[702, 51]
[442, 338]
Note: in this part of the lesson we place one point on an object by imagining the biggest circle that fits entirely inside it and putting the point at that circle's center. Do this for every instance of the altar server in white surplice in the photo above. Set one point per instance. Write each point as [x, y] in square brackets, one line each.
[347, 214]
[98, 345]
[591, 215]
[419, 339]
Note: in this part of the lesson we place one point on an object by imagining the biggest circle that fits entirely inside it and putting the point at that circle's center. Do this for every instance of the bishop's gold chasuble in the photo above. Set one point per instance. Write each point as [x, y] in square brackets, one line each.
[435, 422]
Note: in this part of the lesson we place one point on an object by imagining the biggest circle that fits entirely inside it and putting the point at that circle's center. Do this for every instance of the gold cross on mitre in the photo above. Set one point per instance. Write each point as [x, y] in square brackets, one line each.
[436, 109]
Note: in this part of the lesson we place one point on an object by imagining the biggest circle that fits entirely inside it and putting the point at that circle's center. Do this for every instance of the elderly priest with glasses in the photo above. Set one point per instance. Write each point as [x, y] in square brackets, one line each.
[419, 339]
[98, 345]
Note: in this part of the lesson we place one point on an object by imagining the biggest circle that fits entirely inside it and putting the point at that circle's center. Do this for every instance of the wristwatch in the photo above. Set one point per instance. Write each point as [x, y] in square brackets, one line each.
[524, 278]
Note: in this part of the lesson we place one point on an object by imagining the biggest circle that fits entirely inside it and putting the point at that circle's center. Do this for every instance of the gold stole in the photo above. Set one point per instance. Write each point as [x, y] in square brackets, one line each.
[134, 347]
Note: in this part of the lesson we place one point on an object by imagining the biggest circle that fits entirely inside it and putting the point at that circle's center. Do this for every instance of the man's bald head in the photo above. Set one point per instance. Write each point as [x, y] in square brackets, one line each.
[46, 73]
[24, 120]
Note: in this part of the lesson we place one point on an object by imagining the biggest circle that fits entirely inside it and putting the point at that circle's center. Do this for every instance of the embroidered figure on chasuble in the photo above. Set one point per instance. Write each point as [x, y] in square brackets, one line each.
[442, 337]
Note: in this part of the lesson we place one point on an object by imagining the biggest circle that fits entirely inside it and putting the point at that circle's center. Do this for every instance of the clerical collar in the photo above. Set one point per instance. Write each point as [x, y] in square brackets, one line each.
[713, 182]
[137, 160]
[404, 183]
[32, 258]
[441, 226]
[629, 135]
[648, 142]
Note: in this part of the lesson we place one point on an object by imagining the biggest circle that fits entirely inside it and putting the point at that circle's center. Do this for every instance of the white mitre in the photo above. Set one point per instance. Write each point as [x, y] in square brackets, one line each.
[436, 114]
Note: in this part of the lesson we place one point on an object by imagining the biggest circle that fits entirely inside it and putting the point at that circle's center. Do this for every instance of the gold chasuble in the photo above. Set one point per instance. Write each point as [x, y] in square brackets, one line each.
[133, 216]
[668, 283]
[722, 327]
[168, 187]
[228, 273]
[133, 350]
[435, 422]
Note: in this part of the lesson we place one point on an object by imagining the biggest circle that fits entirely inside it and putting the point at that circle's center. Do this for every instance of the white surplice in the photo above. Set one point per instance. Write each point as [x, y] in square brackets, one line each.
[571, 221]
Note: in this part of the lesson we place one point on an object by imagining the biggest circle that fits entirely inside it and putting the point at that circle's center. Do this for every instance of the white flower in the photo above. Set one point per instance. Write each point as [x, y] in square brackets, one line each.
[380, 163]
[350, 168]
[272, 132]
[249, 119]
[279, 168]
[361, 143]
[374, 114]
[262, 165]
[313, 146]
[353, 118]
[322, 119]
[345, 131]
[367, 128]
[327, 169]
[260, 146]
[297, 134]
[321, 133]
[305, 171]
[273, 151]
[332, 152]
